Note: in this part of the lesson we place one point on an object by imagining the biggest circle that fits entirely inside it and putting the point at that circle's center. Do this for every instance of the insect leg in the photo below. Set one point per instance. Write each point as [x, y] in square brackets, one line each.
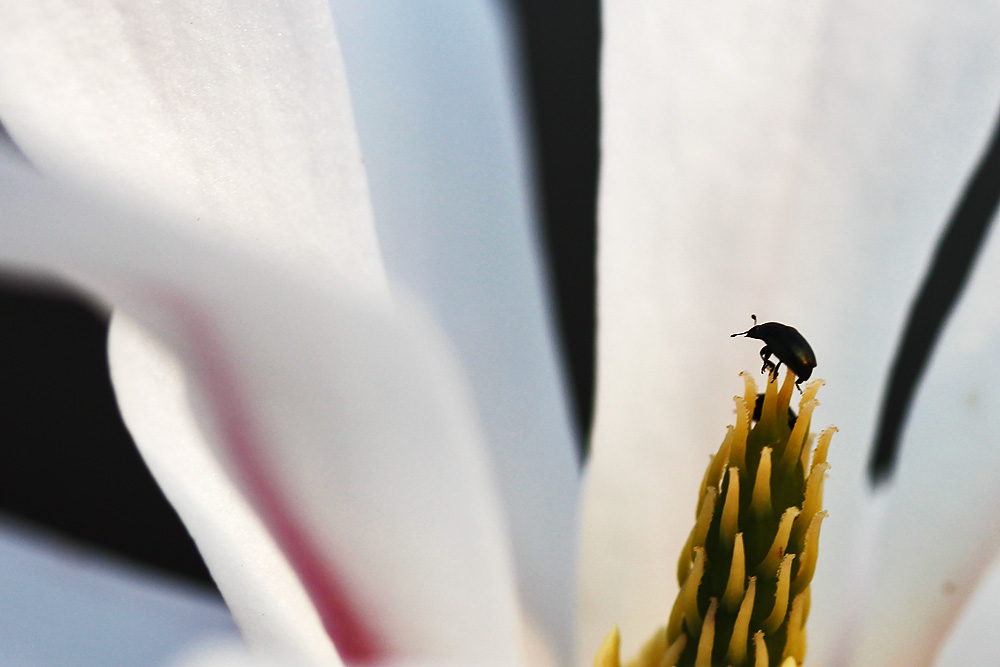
[765, 354]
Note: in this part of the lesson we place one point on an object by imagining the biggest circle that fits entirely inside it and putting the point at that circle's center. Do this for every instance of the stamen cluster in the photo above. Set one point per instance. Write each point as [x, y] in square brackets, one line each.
[745, 570]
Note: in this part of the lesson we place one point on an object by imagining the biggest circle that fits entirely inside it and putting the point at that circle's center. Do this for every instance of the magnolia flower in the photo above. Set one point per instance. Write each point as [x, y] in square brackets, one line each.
[269, 166]
[198, 169]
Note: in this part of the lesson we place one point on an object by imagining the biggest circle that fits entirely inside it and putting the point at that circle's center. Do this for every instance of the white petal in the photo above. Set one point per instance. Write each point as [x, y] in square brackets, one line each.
[797, 163]
[65, 606]
[942, 527]
[237, 115]
[346, 424]
[231, 654]
[974, 639]
[438, 109]
[265, 596]
[241, 120]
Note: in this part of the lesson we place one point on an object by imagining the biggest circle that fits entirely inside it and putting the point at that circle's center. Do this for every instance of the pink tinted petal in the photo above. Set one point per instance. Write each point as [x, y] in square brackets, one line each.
[261, 589]
[438, 107]
[797, 163]
[974, 640]
[240, 118]
[239, 430]
[942, 527]
[347, 423]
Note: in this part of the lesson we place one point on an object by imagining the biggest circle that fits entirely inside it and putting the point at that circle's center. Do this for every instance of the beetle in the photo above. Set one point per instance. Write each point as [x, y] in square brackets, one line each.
[785, 343]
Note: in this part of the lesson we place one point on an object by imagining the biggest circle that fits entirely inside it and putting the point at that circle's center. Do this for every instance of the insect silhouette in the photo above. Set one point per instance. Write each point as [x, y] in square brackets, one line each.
[786, 344]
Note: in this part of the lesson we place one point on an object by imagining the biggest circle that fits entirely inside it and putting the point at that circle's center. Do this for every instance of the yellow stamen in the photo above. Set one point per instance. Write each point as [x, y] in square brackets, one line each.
[697, 536]
[749, 388]
[759, 650]
[806, 449]
[798, 437]
[769, 410]
[738, 450]
[713, 475]
[707, 639]
[686, 604]
[777, 616]
[795, 644]
[769, 566]
[652, 650]
[737, 574]
[607, 654]
[823, 446]
[760, 502]
[673, 654]
[785, 395]
[812, 503]
[730, 509]
[810, 392]
[738, 640]
[810, 550]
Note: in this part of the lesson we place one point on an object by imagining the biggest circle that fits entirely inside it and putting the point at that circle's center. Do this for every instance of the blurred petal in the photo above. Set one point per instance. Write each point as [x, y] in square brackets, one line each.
[239, 117]
[942, 527]
[232, 654]
[236, 114]
[65, 606]
[439, 114]
[221, 654]
[346, 424]
[974, 639]
[797, 163]
[265, 596]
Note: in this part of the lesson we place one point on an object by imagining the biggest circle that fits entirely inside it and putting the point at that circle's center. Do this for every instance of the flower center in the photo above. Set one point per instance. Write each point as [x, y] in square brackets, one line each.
[745, 570]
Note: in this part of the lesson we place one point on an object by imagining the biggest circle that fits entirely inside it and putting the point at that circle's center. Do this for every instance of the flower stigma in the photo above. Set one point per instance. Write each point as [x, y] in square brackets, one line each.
[745, 570]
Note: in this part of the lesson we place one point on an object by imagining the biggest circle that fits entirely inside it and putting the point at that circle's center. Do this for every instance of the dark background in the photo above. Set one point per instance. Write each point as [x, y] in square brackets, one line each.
[68, 462]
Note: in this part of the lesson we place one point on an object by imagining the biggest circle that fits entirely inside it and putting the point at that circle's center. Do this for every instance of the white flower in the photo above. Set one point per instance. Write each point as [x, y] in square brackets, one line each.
[268, 156]
[797, 163]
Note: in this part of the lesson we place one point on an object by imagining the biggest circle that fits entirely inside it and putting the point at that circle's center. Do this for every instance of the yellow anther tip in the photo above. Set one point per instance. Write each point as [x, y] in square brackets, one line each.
[608, 653]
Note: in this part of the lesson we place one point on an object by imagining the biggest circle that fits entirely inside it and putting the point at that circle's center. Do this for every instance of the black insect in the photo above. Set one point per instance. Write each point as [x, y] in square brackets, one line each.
[785, 343]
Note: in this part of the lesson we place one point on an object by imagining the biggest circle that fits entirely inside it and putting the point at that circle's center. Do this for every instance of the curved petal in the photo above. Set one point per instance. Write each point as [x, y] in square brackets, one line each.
[230, 654]
[438, 109]
[63, 605]
[265, 596]
[240, 118]
[236, 115]
[345, 423]
[942, 527]
[974, 640]
[797, 163]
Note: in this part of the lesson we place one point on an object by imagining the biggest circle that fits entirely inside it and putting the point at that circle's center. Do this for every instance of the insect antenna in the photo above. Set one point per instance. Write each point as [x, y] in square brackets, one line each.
[754, 316]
